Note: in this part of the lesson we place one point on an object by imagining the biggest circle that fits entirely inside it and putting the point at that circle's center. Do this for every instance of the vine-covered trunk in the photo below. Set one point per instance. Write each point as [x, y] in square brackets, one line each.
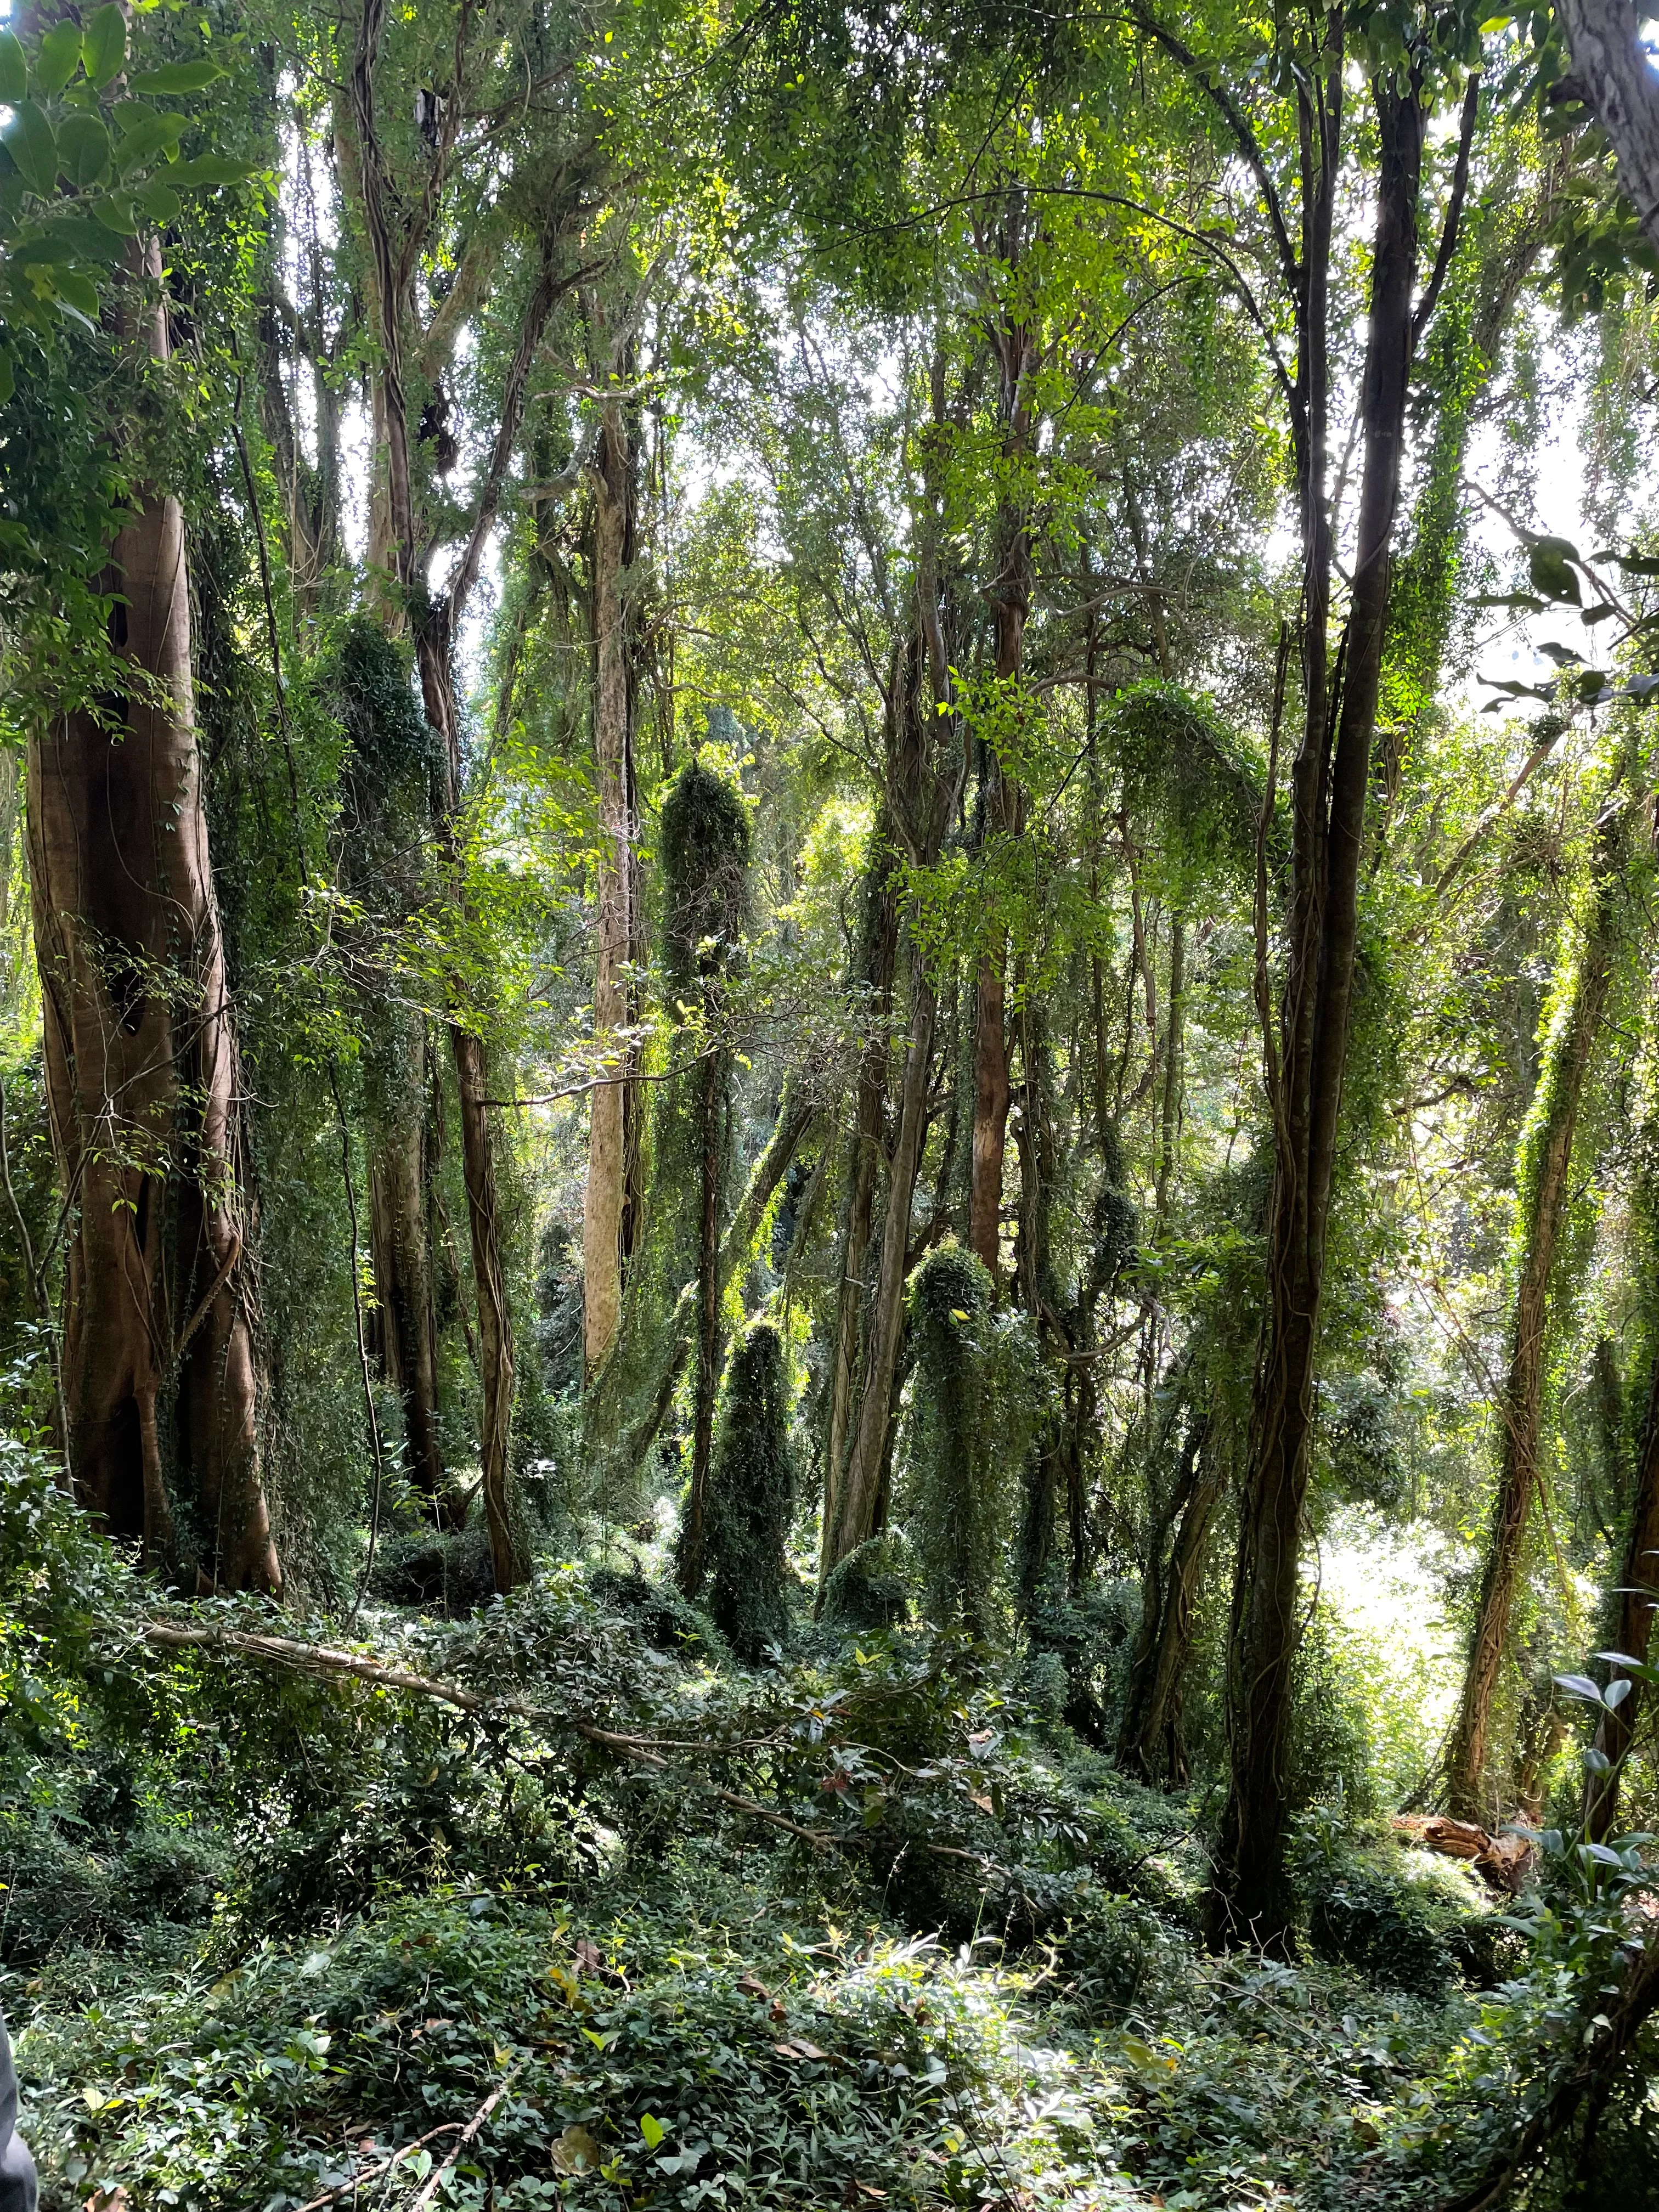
[1305, 1071]
[1544, 1163]
[160, 1379]
[605, 1228]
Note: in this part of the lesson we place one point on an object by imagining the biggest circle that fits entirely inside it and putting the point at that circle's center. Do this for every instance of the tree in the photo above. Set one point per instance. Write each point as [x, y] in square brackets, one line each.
[1574, 1022]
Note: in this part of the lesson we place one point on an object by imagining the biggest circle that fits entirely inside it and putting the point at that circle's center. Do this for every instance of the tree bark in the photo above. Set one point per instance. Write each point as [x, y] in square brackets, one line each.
[496, 1350]
[1149, 1741]
[405, 1333]
[1017, 352]
[1615, 75]
[159, 1380]
[606, 1236]
[878, 955]
[1546, 1161]
[715, 1077]
[859, 1493]
[1251, 1902]
[1633, 1629]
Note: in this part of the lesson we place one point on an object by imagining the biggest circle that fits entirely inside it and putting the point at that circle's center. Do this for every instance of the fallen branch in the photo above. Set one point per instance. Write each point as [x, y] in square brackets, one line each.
[330, 1662]
[373, 2173]
[468, 2134]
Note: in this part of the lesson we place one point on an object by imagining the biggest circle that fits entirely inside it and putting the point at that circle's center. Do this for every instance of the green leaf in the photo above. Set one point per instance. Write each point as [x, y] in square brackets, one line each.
[104, 45]
[653, 2130]
[1598, 614]
[158, 201]
[14, 70]
[115, 211]
[78, 292]
[1616, 1692]
[209, 169]
[60, 57]
[144, 134]
[1549, 563]
[8, 376]
[1638, 564]
[173, 79]
[29, 142]
[1580, 1686]
[83, 149]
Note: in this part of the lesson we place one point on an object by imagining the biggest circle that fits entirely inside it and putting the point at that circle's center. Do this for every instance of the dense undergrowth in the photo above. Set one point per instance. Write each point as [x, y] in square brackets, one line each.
[262, 1931]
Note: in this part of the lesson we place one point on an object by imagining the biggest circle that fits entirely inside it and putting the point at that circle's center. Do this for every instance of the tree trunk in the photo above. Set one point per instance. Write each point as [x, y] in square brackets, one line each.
[400, 1246]
[1612, 71]
[1017, 352]
[1169, 1117]
[160, 1383]
[604, 1227]
[1149, 1741]
[1546, 1161]
[495, 1355]
[399, 225]
[859, 1493]
[1328, 786]
[1632, 1628]
[708, 1317]
[878, 953]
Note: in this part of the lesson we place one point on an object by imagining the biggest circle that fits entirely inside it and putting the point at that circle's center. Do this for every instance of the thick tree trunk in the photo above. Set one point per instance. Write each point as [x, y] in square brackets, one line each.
[1632, 1629]
[1328, 786]
[859, 1493]
[1612, 71]
[405, 1333]
[1546, 1160]
[159, 1382]
[879, 952]
[604, 1227]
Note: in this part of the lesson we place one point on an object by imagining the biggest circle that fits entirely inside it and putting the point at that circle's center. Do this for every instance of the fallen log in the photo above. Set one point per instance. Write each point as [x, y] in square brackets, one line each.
[1502, 1861]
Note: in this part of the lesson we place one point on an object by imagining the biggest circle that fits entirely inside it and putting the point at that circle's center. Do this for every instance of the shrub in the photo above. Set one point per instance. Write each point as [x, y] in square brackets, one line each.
[959, 1483]
[865, 1591]
[751, 1491]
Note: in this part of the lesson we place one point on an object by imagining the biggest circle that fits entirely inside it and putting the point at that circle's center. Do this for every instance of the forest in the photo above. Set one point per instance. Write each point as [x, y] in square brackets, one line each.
[829, 1105]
